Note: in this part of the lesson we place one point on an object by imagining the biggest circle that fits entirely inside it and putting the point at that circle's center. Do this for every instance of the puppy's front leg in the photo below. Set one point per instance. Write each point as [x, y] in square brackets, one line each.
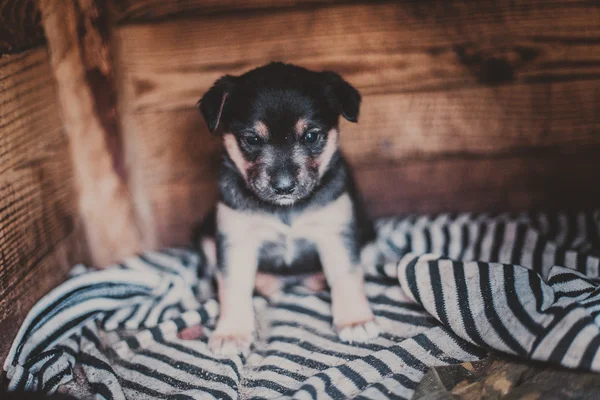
[352, 315]
[236, 277]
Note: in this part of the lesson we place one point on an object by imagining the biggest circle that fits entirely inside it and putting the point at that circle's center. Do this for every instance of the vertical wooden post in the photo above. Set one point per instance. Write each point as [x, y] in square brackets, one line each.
[80, 59]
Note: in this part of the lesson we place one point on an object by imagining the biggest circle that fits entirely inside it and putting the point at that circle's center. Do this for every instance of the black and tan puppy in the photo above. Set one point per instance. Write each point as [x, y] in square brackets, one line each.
[287, 199]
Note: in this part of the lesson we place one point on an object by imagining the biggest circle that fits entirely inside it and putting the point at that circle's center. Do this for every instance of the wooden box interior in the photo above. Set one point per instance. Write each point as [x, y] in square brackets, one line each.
[467, 106]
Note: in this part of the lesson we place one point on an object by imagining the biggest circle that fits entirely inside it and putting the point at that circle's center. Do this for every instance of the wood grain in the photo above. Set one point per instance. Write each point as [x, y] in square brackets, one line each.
[481, 121]
[40, 232]
[446, 84]
[20, 27]
[178, 206]
[381, 48]
[136, 11]
[481, 77]
[549, 180]
[170, 149]
[81, 64]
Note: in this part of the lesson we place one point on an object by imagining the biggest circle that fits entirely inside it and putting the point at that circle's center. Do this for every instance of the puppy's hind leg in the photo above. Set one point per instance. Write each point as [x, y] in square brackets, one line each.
[205, 286]
[209, 249]
[268, 285]
[206, 247]
[315, 282]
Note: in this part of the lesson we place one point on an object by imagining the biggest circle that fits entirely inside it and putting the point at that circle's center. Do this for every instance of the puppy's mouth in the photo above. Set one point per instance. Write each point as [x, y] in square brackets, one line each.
[284, 200]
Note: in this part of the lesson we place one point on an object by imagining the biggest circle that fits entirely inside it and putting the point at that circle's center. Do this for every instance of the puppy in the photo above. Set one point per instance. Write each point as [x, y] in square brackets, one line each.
[288, 203]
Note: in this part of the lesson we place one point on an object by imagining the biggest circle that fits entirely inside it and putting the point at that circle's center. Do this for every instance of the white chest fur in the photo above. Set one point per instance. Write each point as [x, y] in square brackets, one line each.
[248, 231]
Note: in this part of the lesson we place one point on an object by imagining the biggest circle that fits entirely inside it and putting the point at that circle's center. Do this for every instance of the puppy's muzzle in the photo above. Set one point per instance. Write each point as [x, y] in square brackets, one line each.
[283, 185]
[283, 182]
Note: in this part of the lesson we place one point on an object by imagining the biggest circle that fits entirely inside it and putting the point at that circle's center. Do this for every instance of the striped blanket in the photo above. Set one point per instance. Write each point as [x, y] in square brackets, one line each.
[445, 290]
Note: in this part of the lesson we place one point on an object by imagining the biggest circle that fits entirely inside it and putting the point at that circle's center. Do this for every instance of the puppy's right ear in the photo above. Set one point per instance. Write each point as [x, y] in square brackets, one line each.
[213, 102]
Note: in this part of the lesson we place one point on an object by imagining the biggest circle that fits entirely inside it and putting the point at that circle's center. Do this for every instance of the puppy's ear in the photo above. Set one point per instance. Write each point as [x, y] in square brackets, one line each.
[212, 103]
[343, 95]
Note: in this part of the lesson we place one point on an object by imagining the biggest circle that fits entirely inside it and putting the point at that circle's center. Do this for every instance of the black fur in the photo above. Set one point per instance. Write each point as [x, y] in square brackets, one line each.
[278, 95]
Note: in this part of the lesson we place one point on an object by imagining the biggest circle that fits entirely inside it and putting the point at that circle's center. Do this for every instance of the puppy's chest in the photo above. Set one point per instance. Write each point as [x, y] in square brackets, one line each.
[282, 247]
[288, 253]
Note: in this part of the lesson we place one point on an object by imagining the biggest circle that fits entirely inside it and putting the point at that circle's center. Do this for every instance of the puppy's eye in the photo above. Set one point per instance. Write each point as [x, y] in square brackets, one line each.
[311, 137]
[252, 140]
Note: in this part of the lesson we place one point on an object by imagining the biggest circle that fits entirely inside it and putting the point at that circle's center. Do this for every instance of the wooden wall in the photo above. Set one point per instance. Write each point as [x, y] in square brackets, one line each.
[40, 232]
[77, 39]
[62, 197]
[487, 105]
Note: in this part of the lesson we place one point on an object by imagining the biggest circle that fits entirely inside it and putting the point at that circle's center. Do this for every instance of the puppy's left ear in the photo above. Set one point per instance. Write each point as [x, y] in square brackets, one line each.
[345, 96]
[211, 105]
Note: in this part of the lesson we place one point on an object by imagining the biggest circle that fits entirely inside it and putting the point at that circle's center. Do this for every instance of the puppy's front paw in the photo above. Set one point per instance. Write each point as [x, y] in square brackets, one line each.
[233, 335]
[229, 344]
[191, 333]
[352, 317]
[361, 332]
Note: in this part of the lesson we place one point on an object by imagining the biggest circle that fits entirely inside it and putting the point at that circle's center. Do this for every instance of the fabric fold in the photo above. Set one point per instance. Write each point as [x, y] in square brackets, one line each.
[444, 289]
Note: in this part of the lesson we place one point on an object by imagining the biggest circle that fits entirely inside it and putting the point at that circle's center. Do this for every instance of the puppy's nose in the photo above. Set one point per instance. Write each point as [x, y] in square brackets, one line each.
[283, 184]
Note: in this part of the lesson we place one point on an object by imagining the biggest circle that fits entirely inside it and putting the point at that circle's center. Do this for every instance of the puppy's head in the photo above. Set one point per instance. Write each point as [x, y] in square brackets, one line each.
[280, 126]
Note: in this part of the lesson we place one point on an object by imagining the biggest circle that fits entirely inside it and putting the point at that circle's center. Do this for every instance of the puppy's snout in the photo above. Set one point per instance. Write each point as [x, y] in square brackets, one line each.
[283, 183]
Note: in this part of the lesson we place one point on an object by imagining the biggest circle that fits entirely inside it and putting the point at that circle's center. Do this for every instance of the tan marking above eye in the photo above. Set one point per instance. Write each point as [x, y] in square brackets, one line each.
[301, 126]
[261, 129]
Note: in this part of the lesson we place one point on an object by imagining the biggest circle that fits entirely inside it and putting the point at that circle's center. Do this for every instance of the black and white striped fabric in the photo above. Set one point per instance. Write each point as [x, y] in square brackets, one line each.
[445, 290]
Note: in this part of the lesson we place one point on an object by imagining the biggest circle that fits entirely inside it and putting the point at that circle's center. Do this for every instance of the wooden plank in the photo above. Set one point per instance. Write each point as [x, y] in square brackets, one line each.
[20, 27]
[176, 208]
[80, 58]
[174, 147]
[169, 64]
[170, 149]
[136, 11]
[544, 179]
[171, 86]
[483, 120]
[40, 233]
